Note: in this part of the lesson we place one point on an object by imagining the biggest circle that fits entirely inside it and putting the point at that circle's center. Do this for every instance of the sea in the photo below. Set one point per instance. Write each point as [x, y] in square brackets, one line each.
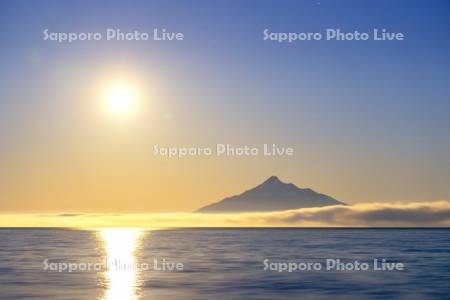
[225, 263]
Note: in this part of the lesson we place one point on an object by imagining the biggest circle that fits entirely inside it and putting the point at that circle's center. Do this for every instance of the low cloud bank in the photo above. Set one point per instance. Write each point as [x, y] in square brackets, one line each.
[417, 214]
[370, 215]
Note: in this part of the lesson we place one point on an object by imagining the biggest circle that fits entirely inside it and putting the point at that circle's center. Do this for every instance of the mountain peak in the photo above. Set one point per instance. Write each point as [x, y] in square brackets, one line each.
[273, 179]
[271, 195]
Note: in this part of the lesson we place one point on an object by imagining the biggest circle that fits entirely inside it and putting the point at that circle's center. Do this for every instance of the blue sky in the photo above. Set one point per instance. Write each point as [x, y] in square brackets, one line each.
[373, 113]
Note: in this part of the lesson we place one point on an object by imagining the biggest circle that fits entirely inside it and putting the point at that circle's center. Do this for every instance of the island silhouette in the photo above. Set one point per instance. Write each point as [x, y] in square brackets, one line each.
[271, 195]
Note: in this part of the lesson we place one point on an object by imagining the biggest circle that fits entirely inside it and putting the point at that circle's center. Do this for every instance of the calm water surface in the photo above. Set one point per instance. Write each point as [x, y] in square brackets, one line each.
[220, 263]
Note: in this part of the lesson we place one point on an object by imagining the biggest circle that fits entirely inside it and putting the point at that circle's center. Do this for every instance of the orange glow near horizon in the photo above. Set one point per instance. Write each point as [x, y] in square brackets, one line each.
[426, 214]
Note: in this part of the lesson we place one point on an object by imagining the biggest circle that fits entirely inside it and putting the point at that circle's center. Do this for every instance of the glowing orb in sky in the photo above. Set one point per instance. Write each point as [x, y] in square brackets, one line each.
[121, 99]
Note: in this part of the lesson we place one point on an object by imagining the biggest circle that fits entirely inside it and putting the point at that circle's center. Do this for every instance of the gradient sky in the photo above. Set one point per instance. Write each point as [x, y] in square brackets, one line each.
[369, 121]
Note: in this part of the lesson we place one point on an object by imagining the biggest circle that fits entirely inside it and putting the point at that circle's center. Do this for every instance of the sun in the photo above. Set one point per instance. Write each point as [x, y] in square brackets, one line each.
[121, 99]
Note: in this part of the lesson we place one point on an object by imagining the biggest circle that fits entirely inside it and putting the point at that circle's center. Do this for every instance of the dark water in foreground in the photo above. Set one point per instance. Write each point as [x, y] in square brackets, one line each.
[221, 264]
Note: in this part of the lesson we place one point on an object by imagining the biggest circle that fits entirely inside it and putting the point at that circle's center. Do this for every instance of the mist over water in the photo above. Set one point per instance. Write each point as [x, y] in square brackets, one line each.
[221, 263]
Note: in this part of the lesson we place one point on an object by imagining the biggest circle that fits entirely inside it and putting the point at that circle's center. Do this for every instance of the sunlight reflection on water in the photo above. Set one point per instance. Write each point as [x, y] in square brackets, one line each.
[122, 248]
